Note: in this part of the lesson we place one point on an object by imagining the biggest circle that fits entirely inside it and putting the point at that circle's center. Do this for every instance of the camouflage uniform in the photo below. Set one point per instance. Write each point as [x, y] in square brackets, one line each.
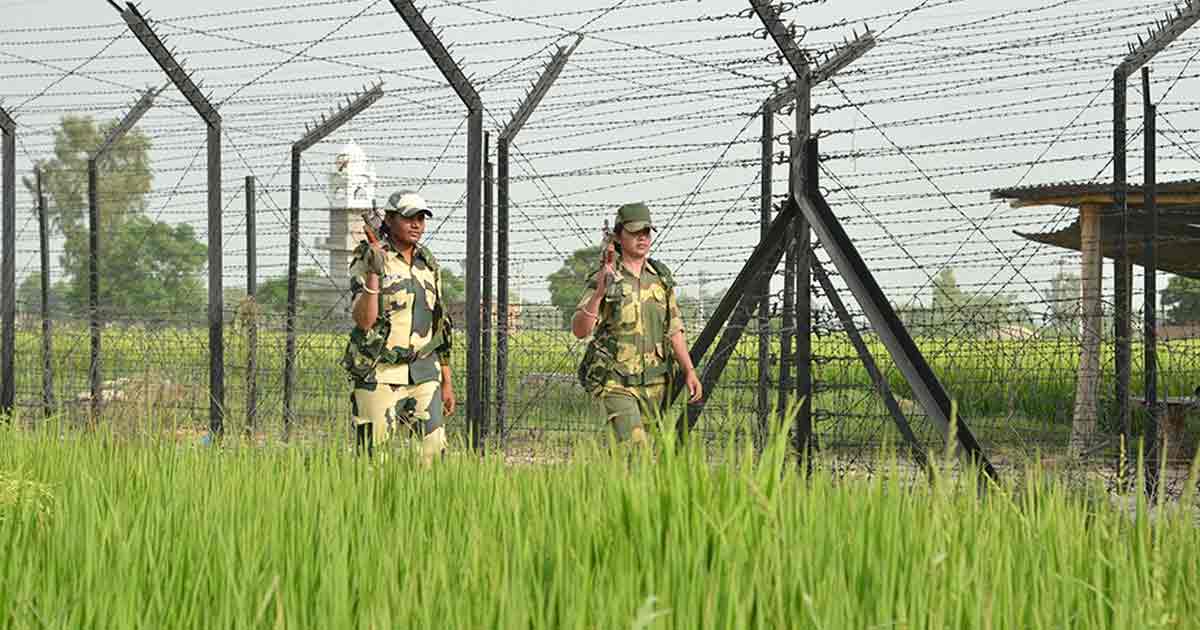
[632, 339]
[395, 367]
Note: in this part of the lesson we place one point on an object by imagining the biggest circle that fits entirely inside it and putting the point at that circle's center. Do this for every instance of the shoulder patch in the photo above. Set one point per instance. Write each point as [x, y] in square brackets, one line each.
[424, 252]
[663, 272]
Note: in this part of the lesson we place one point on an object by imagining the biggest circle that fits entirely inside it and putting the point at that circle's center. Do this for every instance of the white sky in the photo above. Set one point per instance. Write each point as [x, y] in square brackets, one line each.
[653, 98]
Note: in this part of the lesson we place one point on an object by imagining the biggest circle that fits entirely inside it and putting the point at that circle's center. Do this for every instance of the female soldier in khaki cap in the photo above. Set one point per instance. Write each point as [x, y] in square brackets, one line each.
[638, 329]
[399, 351]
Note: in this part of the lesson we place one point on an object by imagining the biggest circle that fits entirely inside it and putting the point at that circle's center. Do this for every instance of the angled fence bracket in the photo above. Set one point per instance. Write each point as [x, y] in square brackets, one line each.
[797, 306]
[212, 120]
[903, 350]
[503, 143]
[312, 136]
[114, 136]
[1157, 39]
[462, 86]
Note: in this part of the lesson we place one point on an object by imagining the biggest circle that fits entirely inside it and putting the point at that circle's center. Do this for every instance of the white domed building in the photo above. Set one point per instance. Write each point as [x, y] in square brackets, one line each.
[352, 190]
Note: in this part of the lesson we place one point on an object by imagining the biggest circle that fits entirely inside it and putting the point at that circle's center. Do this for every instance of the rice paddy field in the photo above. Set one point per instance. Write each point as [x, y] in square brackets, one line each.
[103, 531]
[1013, 393]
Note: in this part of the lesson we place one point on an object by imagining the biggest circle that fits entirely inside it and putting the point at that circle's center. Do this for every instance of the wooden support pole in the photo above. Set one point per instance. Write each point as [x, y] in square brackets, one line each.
[1083, 428]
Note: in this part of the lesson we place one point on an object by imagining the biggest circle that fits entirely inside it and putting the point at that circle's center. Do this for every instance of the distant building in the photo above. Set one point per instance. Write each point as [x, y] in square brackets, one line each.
[352, 185]
[458, 314]
[1176, 332]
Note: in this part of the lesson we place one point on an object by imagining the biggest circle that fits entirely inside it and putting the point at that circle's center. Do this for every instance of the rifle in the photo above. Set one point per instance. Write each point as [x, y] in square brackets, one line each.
[372, 224]
[612, 290]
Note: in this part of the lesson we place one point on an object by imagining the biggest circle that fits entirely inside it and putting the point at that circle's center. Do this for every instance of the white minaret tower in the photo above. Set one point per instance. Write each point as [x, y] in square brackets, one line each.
[353, 184]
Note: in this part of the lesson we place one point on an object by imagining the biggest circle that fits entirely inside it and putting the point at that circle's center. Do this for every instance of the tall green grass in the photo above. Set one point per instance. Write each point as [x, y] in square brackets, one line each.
[97, 532]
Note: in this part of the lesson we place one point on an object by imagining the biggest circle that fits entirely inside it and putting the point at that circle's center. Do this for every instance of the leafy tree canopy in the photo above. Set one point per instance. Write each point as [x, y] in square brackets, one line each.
[569, 282]
[147, 267]
[1181, 300]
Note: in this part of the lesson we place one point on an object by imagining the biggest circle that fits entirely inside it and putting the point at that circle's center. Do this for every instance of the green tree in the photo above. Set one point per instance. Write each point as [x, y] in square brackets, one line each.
[947, 296]
[1066, 290]
[980, 312]
[454, 288]
[146, 266]
[915, 316]
[568, 283]
[1181, 300]
[29, 294]
[272, 296]
[697, 306]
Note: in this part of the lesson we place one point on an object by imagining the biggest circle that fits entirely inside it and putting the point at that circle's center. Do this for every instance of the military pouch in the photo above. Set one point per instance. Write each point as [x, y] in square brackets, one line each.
[364, 349]
[594, 369]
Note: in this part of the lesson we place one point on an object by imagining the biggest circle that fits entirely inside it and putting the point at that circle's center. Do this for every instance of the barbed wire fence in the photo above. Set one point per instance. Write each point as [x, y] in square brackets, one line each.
[659, 102]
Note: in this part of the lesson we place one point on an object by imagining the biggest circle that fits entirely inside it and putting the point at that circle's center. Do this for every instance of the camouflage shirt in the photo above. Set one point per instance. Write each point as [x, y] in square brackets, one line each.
[411, 338]
[639, 327]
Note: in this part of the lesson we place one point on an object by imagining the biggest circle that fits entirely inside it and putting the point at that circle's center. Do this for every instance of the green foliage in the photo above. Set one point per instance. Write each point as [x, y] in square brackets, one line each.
[697, 306]
[1181, 299]
[272, 296]
[568, 283]
[955, 312]
[454, 288]
[149, 268]
[310, 536]
[29, 294]
[123, 177]
[146, 267]
[1066, 291]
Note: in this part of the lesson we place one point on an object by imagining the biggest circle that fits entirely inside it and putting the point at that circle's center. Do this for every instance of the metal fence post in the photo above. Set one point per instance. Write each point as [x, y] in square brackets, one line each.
[462, 86]
[1122, 270]
[485, 360]
[802, 274]
[1150, 279]
[474, 298]
[251, 296]
[798, 269]
[764, 303]
[1155, 42]
[93, 293]
[312, 136]
[8, 266]
[93, 167]
[293, 261]
[788, 328]
[216, 293]
[47, 338]
[212, 120]
[514, 126]
[502, 280]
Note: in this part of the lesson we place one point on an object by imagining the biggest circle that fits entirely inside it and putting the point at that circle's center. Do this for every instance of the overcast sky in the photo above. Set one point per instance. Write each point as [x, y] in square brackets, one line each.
[658, 104]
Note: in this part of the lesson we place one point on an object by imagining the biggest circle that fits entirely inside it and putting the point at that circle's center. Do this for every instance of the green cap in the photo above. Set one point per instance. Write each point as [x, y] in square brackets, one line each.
[634, 217]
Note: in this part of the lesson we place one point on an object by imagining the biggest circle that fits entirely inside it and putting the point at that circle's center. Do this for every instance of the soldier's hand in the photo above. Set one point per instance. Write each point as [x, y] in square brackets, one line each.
[448, 401]
[376, 259]
[608, 268]
[695, 388]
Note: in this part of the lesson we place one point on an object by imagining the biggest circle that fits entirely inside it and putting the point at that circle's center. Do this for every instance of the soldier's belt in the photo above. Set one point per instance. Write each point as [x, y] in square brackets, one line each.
[647, 377]
[402, 356]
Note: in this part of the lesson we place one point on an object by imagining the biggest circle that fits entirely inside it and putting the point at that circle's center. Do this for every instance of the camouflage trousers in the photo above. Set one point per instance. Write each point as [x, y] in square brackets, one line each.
[382, 411]
[630, 407]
